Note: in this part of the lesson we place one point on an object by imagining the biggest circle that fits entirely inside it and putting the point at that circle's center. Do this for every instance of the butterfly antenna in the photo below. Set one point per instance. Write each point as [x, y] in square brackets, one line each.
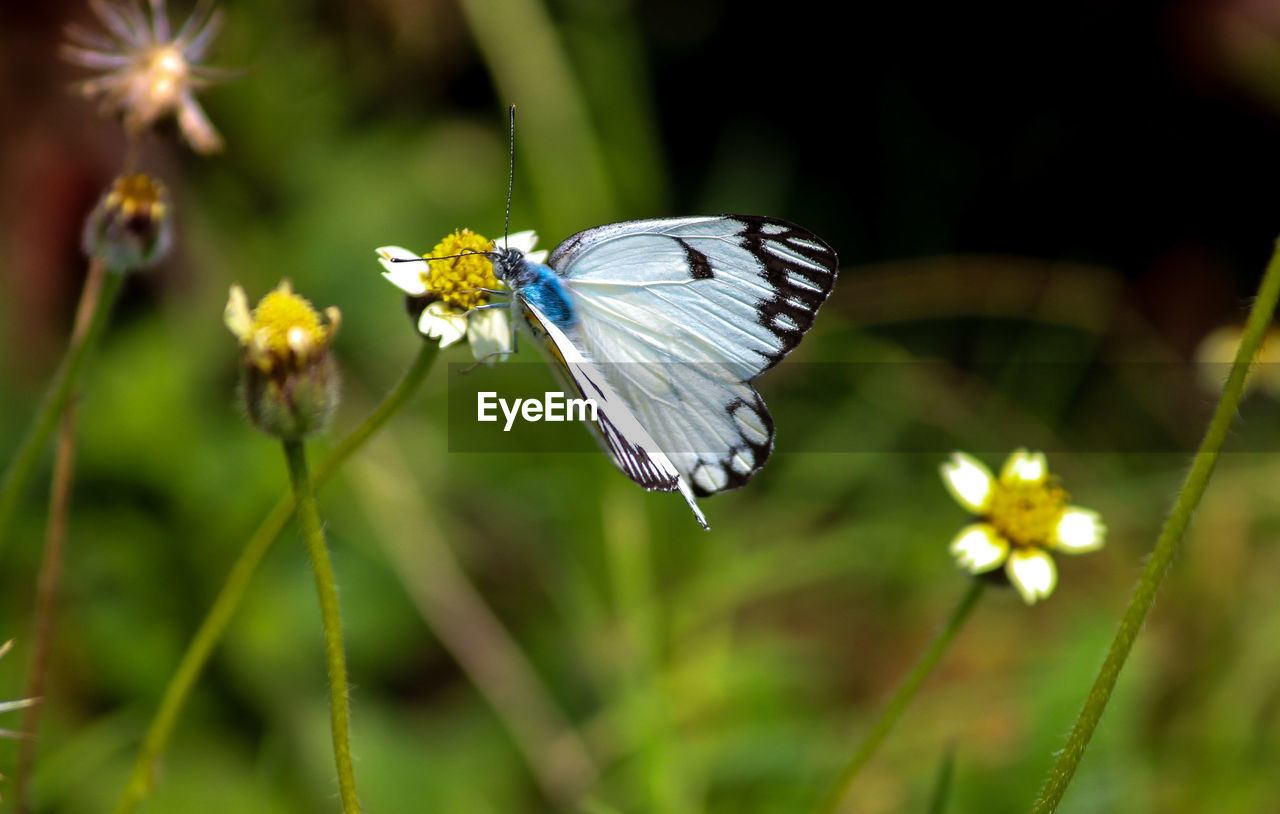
[466, 253]
[511, 173]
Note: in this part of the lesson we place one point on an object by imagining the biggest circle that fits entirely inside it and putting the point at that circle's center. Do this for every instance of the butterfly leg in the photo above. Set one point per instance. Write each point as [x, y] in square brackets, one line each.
[486, 358]
[496, 353]
[475, 308]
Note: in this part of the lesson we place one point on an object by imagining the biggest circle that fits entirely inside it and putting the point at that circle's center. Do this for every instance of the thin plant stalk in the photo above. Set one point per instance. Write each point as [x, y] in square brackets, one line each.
[330, 618]
[905, 693]
[1064, 767]
[25, 458]
[211, 630]
[54, 547]
[46, 600]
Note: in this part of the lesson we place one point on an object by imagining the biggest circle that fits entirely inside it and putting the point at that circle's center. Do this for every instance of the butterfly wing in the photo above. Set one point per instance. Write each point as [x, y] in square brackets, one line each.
[619, 433]
[680, 314]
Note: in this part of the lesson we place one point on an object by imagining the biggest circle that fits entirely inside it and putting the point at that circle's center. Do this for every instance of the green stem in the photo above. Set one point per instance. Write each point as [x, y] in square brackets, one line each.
[1068, 759]
[33, 444]
[142, 778]
[54, 546]
[902, 698]
[330, 618]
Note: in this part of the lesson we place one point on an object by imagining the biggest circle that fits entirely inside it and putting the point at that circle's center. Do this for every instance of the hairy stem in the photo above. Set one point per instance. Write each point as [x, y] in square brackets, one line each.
[214, 626]
[331, 619]
[1175, 525]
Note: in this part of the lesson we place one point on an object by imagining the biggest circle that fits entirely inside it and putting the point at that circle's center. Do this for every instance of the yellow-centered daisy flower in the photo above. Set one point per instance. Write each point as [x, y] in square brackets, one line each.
[1024, 515]
[147, 72]
[447, 295]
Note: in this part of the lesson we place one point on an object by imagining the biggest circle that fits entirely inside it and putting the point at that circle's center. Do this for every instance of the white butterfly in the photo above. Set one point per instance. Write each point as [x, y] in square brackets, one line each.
[664, 324]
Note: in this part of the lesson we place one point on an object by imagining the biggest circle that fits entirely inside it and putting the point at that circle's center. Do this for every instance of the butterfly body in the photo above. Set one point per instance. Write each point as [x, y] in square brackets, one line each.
[665, 323]
[535, 283]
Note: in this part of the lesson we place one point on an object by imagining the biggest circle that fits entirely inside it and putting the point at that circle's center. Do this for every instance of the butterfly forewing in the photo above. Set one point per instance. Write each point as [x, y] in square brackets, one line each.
[739, 289]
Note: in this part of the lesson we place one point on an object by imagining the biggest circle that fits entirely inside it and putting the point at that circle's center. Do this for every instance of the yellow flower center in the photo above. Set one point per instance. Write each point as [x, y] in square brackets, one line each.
[457, 280]
[285, 323]
[136, 196]
[1027, 514]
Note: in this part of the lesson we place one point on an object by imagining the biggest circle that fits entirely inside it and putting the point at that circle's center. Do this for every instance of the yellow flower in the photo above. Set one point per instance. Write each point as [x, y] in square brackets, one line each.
[289, 382]
[1024, 515]
[147, 73]
[446, 295]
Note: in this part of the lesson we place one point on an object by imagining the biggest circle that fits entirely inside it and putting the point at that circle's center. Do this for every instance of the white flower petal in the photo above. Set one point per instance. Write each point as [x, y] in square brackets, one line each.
[522, 241]
[237, 316]
[196, 127]
[1079, 530]
[1032, 572]
[1025, 467]
[969, 482]
[979, 548]
[408, 277]
[401, 270]
[259, 342]
[489, 333]
[300, 341]
[397, 252]
[438, 322]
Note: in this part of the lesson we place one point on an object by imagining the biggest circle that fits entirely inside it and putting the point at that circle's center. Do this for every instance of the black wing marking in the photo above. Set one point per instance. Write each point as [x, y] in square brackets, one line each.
[801, 270]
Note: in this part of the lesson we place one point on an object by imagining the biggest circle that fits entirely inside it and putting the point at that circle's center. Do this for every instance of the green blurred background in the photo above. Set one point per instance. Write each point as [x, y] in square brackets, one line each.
[1040, 211]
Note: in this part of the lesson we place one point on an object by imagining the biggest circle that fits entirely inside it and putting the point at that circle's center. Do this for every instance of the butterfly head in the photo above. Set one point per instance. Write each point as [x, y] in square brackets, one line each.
[511, 266]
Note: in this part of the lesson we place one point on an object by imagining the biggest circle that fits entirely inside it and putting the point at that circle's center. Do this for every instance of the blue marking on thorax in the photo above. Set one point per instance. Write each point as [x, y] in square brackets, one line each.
[544, 290]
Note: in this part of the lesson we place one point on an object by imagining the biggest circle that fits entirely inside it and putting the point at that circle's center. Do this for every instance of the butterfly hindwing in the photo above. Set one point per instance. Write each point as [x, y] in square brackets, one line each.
[620, 434]
[720, 433]
[681, 314]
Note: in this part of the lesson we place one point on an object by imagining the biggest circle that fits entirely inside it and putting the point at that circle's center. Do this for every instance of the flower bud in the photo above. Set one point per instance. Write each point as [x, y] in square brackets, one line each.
[289, 382]
[131, 227]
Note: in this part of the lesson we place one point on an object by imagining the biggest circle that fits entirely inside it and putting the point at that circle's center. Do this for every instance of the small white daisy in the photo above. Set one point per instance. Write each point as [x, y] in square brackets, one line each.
[1023, 516]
